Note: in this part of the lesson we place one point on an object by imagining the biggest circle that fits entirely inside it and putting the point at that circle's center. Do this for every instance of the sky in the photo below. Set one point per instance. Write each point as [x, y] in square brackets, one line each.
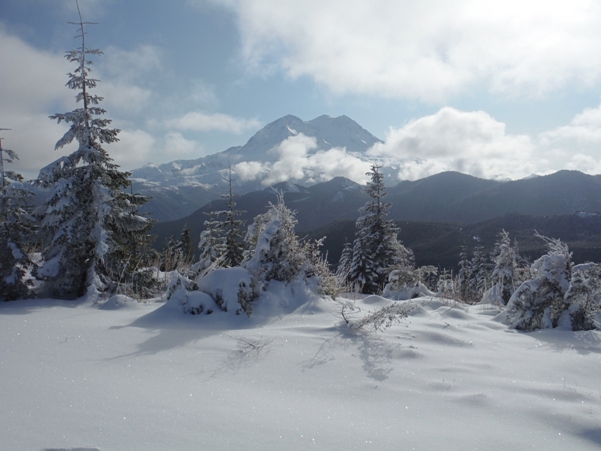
[496, 89]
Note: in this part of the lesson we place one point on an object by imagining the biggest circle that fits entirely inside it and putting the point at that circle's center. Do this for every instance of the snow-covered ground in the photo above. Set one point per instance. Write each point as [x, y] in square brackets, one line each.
[146, 377]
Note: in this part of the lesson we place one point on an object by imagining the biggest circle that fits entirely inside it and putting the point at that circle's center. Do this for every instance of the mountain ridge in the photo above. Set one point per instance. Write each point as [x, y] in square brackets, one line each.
[449, 198]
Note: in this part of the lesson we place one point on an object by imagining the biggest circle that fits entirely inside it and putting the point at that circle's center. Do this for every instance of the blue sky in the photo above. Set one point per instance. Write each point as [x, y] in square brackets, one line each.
[491, 88]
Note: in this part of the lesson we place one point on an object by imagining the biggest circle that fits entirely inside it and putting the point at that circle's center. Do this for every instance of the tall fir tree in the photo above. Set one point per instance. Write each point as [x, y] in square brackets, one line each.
[17, 227]
[480, 273]
[376, 248]
[231, 227]
[184, 247]
[223, 237]
[88, 215]
[464, 275]
[505, 261]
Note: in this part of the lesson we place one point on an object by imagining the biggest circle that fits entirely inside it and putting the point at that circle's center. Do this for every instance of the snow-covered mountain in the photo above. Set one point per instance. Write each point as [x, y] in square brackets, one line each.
[329, 132]
[304, 152]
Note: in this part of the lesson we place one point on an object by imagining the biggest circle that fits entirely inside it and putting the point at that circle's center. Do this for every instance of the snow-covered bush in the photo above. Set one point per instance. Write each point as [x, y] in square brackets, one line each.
[232, 289]
[407, 283]
[584, 296]
[279, 255]
[378, 320]
[540, 302]
[183, 294]
[224, 289]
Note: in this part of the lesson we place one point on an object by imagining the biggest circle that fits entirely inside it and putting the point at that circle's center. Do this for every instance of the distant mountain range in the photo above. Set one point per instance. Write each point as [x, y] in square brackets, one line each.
[438, 208]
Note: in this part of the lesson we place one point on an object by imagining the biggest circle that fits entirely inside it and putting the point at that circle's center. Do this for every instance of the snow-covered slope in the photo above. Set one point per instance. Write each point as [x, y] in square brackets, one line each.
[146, 377]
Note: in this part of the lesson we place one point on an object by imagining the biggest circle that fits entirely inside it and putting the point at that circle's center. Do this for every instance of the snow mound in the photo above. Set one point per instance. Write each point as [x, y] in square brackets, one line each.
[228, 288]
[118, 302]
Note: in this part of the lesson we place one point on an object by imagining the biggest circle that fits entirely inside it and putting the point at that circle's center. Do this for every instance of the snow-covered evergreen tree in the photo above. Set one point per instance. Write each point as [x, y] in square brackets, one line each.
[185, 244]
[558, 293]
[376, 248]
[177, 253]
[446, 284]
[539, 303]
[503, 274]
[222, 239]
[278, 253]
[344, 264]
[211, 245]
[88, 214]
[362, 268]
[584, 296]
[169, 255]
[480, 273]
[16, 229]
[464, 275]
[231, 228]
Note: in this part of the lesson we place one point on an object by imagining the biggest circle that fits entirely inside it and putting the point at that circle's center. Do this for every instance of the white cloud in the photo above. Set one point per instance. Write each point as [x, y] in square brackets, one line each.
[585, 163]
[121, 73]
[576, 145]
[203, 93]
[199, 121]
[293, 159]
[415, 170]
[468, 142]
[429, 50]
[31, 79]
[29, 95]
[295, 163]
[129, 65]
[178, 146]
[134, 149]
[120, 98]
[584, 128]
[250, 170]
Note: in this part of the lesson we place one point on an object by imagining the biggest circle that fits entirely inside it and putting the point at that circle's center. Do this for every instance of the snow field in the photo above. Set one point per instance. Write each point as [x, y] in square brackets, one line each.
[146, 377]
